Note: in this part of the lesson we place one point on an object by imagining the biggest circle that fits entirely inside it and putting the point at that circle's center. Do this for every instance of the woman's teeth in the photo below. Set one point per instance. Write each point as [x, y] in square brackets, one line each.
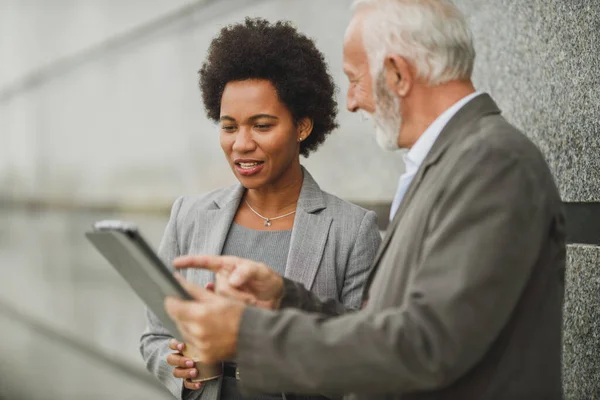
[248, 165]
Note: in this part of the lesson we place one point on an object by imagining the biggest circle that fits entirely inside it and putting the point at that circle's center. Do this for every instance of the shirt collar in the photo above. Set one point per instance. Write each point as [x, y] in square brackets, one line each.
[415, 156]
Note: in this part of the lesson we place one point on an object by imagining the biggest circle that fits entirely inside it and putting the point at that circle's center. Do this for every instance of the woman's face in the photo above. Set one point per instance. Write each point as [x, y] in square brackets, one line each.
[258, 134]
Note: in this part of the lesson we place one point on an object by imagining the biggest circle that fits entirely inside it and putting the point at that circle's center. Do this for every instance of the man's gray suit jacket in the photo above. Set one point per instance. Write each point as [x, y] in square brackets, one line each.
[464, 299]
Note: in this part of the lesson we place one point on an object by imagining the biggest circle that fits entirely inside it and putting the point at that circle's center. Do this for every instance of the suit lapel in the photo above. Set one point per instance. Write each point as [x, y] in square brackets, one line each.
[410, 191]
[306, 250]
[457, 127]
[213, 226]
[309, 234]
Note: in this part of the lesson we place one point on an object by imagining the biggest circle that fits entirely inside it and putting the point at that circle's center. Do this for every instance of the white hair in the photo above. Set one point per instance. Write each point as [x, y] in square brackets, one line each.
[432, 35]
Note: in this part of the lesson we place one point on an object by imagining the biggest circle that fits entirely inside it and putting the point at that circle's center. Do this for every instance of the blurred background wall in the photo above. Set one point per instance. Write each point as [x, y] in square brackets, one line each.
[101, 117]
[100, 103]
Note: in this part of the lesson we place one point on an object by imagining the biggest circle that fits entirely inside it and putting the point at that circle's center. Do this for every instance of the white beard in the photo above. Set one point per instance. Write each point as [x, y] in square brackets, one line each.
[386, 134]
[387, 117]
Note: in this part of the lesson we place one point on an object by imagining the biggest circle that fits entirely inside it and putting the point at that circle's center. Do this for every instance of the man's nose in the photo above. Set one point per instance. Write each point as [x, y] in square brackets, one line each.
[351, 103]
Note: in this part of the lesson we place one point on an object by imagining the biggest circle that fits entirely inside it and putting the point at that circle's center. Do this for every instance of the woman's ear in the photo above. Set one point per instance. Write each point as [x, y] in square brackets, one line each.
[305, 127]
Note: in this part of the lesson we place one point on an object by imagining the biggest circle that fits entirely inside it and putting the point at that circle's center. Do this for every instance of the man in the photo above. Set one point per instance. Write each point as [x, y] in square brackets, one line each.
[464, 298]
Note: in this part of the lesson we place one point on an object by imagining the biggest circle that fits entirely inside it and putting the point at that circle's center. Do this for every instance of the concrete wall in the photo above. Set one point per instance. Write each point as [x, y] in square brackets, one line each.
[99, 105]
[125, 123]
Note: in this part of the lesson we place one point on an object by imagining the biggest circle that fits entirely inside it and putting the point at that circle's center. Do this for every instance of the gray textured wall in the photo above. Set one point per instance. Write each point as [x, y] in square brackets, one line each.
[540, 61]
[581, 360]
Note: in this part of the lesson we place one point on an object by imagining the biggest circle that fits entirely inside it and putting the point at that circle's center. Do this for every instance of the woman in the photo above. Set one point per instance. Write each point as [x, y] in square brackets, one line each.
[268, 87]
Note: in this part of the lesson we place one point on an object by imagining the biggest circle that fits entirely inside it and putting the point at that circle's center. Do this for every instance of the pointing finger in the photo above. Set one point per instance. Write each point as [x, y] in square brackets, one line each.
[215, 264]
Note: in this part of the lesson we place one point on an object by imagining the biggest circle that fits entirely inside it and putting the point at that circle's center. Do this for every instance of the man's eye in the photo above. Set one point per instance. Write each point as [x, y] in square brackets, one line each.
[228, 128]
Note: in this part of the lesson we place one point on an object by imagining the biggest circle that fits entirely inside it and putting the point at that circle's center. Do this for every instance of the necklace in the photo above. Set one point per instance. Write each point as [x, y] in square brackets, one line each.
[267, 220]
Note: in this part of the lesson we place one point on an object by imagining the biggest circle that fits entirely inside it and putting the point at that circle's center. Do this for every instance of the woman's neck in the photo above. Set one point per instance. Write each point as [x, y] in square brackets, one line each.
[279, 197]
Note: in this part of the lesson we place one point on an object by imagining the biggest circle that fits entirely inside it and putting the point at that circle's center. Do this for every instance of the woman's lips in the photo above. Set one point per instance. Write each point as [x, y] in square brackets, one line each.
[249, 168]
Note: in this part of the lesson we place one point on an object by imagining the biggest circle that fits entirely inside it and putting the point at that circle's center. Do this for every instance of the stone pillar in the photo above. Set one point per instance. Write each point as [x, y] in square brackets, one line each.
[540, 60]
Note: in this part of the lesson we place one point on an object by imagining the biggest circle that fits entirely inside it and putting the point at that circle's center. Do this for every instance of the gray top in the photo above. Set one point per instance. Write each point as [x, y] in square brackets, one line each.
[268, 247]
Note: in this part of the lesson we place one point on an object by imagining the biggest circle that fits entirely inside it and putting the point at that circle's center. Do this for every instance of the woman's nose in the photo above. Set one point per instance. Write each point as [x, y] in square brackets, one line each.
[244, 142]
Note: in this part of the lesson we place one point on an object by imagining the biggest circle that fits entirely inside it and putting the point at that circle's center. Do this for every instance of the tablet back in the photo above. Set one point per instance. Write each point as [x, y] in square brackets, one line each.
[123, 246]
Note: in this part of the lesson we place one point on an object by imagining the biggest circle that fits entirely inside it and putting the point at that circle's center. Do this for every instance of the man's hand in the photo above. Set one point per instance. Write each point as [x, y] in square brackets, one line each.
[210, 324]
[237, 278]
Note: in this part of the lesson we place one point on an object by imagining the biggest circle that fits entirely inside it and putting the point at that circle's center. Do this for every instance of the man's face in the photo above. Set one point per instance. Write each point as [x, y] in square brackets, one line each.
[378, 103]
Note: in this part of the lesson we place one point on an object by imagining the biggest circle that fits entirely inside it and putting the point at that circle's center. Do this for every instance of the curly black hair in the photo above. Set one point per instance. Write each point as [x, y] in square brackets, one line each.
[277, 52]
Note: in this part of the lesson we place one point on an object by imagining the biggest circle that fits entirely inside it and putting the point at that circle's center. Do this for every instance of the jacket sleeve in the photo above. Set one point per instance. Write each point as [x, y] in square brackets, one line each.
[476, 261]
[154, 342]
[361, 257]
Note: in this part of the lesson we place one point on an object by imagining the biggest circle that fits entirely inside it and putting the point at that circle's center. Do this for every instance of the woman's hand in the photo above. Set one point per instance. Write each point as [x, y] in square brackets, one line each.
[184, 366]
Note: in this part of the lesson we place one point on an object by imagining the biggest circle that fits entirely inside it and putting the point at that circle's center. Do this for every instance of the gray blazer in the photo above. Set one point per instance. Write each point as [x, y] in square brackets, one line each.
[464, 299]
[332, 245]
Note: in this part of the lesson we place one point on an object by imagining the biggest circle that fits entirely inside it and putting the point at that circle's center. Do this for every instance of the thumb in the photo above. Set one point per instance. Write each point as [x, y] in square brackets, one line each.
[243, 274]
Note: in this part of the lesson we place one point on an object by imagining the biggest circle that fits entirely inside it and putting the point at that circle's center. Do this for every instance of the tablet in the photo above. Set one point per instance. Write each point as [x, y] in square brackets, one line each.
[124, 247]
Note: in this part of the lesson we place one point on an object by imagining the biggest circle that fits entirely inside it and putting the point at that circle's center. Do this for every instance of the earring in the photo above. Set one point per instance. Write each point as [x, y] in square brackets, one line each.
[300, 139]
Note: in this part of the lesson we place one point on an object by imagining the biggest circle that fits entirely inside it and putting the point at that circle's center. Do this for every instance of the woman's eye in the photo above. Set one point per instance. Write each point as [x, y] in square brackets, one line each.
[263, 126]
[228, 128]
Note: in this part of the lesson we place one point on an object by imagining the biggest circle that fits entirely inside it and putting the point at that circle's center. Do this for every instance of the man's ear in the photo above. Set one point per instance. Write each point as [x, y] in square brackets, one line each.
[399, 76]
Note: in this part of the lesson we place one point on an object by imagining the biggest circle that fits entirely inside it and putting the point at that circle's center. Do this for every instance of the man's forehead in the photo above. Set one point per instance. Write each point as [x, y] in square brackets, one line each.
[354, 29]
[354, 51]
